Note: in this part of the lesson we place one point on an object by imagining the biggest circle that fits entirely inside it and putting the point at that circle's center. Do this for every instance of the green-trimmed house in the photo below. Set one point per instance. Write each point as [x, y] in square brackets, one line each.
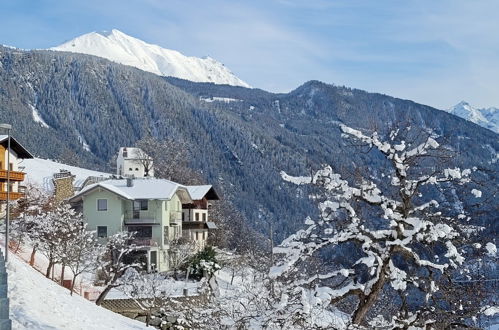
[150, 207]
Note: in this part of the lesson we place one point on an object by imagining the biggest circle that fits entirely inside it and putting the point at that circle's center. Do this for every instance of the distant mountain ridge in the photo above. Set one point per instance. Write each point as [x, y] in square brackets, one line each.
[485, 117]
[79, 109]
[121, 48]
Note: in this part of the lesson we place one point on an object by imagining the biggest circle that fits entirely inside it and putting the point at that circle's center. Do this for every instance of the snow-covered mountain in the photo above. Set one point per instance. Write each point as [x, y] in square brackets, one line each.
[486, 117]
[121, 48]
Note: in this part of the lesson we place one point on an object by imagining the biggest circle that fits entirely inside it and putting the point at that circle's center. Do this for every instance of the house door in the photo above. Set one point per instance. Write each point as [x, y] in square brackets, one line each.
[154, 261]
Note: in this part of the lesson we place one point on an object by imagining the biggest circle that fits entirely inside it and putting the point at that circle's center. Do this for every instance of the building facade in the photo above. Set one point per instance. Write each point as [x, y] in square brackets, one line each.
[196, 223]
[133, 162]
[11, 165]
[151, 208]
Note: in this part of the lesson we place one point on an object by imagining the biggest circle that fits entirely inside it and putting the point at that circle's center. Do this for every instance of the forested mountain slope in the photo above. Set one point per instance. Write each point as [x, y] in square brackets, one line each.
[83, 108]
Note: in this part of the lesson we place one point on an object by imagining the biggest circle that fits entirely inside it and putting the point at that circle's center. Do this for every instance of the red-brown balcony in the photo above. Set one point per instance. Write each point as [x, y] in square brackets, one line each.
[14, 175]
[12, 195]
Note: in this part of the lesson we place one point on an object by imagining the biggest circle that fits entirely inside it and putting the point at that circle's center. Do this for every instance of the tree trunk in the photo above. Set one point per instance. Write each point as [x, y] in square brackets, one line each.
[18, 246]
[49, 268]
[73, 285]
[62, 273]
[32, 257]
[366, 302]
[148, 316]
[103, 295]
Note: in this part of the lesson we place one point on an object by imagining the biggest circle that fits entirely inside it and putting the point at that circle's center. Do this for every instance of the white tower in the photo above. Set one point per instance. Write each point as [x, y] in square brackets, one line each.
[134, 162]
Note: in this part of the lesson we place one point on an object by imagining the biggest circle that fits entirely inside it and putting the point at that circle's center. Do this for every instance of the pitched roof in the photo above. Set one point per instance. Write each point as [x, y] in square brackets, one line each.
[199, 192]
[142, 188]
[16, 146]
[134, 153]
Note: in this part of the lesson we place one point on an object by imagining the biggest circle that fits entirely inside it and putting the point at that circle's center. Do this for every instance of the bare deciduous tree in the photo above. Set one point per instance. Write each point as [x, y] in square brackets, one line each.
[404, 238]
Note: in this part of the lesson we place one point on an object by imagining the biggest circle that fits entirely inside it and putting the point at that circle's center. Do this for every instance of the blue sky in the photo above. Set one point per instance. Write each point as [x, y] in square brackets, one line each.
[435, 52]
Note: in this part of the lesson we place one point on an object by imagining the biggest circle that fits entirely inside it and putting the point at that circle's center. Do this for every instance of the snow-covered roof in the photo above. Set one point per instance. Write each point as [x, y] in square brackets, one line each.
[16, 146]
[199, 192]
[40, 172]
[211, 225]
[133, 153]
[142, 188]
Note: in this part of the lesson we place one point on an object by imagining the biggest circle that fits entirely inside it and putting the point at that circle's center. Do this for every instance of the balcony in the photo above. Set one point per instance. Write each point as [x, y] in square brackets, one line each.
[14, 175]
[13, 195]
[190, 225]
[140, 218]
[144, 242]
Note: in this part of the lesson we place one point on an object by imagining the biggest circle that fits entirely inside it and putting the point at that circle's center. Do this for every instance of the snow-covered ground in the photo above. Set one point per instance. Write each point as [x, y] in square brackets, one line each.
[121, 48]
[40, 172]
[39, 303]
[219, 99]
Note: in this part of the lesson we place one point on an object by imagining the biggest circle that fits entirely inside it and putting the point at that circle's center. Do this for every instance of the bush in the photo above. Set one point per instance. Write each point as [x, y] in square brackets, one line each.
[204, 263]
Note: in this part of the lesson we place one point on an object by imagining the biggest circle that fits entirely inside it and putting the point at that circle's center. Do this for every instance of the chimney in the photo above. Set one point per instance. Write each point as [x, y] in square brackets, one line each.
[129, 182]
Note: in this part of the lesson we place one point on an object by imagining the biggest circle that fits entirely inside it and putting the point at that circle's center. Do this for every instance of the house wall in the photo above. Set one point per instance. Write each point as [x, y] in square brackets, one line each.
[112, 218]
[132, 167]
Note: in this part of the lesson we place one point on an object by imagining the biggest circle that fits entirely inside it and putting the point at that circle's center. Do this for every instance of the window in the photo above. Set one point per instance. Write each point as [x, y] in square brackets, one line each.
[11, 166]
[197, 216]
[140, 205]
[101, 231]
[130, 169]
[204, 217]
[102, 205]
[136, 168]
[197, 236]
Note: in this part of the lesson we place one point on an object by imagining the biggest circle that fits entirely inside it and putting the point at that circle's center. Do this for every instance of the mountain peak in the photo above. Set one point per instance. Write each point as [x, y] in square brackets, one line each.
[119, 47]
[462, 103]
[488, 118]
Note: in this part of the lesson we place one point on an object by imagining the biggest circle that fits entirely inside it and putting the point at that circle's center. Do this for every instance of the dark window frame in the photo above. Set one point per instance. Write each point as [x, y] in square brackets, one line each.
[99, 206]
[101, 234]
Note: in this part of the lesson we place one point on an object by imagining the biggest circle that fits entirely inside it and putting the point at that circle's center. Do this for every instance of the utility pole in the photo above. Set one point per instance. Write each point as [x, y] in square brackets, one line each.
[7, 216]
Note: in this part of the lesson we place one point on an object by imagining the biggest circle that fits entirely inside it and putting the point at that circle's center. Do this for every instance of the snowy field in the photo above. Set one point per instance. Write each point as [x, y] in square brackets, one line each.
[40, 171]
[39, 303]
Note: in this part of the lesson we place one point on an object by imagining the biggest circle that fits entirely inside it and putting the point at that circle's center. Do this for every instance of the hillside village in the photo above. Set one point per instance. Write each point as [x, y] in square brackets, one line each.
[159, 225]
[145, 247]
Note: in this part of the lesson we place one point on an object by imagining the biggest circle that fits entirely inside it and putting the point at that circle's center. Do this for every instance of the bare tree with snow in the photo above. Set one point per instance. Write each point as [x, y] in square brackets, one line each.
[82, 252]
[171, 159]
[180, 252]
[404, 241]
[112, 262]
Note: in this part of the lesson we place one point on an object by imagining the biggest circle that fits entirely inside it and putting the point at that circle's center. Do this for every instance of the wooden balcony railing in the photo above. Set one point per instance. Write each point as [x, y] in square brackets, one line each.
[12, 195]
[14, 175]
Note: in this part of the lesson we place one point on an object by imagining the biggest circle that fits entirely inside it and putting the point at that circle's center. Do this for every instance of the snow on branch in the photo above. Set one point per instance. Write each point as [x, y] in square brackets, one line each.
[390, 230]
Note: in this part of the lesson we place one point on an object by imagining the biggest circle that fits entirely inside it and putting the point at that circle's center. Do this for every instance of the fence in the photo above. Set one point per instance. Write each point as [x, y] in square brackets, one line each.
[5, 322]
